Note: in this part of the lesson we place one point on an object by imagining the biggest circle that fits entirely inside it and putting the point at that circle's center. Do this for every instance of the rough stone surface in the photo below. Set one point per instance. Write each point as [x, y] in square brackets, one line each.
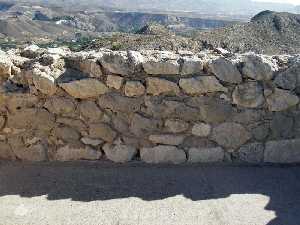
[226, 71]
[176, 126]
[114, 81]
[285, 151]
[163, 154]
[90, 141]
[191, 65]
[201, 129]
[281, 100]
[157, 86]
[44, 82]
[248, 95]
[71, 153]
[134, 89]
[83, 89]
[119, 153]
[205, 155]
[155, 66]
[167, 139]
[102, 131]
[252, 153]
[90, 111]
[230, 135]
[258, 67]
[60, 105]
[5, 65]
[201, 85]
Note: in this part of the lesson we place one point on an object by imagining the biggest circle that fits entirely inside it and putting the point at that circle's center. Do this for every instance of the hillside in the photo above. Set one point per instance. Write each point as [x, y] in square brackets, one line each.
[268, 32]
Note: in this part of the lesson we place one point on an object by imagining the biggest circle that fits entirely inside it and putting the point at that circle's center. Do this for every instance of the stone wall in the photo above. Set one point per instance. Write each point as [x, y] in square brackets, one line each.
[157, 107]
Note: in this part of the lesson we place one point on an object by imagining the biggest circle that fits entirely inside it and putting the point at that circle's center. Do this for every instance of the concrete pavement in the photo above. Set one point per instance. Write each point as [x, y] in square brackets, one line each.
[138, 194]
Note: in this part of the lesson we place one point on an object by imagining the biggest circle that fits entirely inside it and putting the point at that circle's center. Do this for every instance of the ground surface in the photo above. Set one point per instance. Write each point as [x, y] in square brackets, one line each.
[89, 193]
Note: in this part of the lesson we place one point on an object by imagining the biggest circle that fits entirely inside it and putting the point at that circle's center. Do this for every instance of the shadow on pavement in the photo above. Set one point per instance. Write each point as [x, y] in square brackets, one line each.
[101, 181]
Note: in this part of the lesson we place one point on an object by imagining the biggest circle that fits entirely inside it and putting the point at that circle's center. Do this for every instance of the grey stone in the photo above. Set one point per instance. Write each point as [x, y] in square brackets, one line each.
[205, 155]
[176, 126]
[281, 100]
[260, 132]
[90, 141]
[141, 126]
[258, 67]
[285, 151]
[119, 153]
[72, 153]
[225, 70]
[201, 85]
[191, 65]
[161, 66]
[281, 126]
[249, 95]
[252, 153]
[286, 80]
[230, 135]
[163, 154]
[201, 129]
[44, 82]
[167, 139]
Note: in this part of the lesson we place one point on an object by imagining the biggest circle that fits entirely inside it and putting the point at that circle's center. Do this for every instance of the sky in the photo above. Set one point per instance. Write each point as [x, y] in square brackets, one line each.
[295, 2]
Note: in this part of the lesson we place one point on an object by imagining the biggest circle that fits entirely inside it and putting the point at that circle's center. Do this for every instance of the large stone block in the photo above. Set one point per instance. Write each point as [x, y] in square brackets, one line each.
[201, 85]
[230, 135]
[205, 155]
[252, 153]
[85, 88]
[157, 86]
[280, 100]
[102, 131]
[163, 154]
[72, 153]
[285, 151]
[225, 70]
[167, 139]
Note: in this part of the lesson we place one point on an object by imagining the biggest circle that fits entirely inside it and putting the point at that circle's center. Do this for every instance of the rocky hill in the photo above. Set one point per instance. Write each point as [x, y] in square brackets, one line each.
[267, 32]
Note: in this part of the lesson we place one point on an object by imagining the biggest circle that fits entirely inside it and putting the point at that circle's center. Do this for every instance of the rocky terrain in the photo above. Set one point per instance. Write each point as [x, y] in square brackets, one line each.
[154, 106]
[268, 33]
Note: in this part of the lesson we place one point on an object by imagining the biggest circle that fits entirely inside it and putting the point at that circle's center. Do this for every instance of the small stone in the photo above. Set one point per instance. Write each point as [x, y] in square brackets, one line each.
[260, 132]
[249, 95]
[114, 81]
[90, 141]
[119, 153]
[176, 126]
[252, 153]
[167, 139]
[281, 100]
[134, 89]
[157, 86]
[102, 131]
[191, 65]
[205, 155]
[73, 153]
[201, 129]
[285, 151]
[281, 126]
[201, 85]
[34, 153]
[85, 88]
[65, 133]
[163, 154]
[230, 135]
[225, 70]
